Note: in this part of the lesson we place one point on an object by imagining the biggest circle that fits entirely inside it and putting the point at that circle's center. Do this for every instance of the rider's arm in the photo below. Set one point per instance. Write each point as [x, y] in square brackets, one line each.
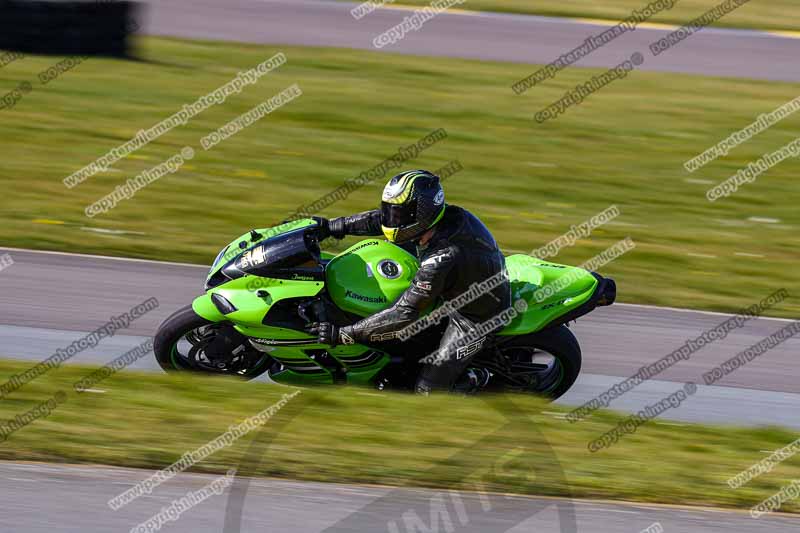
[430, 281]
[366, 224]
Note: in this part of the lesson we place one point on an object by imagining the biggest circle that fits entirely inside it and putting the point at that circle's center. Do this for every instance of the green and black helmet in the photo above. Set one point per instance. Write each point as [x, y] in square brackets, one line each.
[412, 203]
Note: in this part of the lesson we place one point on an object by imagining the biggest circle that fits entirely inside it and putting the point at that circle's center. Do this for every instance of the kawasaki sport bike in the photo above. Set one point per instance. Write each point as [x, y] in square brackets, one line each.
[265, 287]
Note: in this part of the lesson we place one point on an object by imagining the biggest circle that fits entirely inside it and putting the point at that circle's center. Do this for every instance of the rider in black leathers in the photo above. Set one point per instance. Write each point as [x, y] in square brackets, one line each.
[455, 251]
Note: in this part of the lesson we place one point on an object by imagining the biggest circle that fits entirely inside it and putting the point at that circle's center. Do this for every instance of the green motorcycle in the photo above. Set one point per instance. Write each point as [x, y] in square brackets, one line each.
[266, 286]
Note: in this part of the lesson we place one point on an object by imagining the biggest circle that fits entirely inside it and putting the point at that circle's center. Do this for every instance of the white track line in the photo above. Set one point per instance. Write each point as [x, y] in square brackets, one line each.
[715, 313]
[110, 258]
[150, 261]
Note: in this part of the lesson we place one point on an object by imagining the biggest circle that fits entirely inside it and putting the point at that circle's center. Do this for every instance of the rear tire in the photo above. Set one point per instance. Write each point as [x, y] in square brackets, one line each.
[560, 344]
[186, 322]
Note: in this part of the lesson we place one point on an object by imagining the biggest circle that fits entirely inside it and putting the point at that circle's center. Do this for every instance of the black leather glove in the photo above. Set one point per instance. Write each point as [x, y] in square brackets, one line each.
[324, 227]
[336, 228]
[329, 333]
[330, 228]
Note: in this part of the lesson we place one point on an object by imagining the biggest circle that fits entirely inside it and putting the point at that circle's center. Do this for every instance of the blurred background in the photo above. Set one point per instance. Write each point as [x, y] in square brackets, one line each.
[79, 80]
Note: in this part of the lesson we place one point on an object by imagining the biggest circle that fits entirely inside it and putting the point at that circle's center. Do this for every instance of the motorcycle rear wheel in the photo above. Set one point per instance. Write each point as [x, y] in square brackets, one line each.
[545, 363]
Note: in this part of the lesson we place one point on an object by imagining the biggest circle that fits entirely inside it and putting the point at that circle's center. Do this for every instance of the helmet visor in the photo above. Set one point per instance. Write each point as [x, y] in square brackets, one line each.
[398, 215]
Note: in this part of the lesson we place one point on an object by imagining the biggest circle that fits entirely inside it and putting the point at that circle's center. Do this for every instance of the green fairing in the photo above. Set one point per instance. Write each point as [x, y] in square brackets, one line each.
[356, 284]
[233, 249]
[245, 293]
[550, 290]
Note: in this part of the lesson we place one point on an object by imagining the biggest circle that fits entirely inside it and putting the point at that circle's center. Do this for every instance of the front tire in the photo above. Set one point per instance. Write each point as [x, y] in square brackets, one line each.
[182, 339]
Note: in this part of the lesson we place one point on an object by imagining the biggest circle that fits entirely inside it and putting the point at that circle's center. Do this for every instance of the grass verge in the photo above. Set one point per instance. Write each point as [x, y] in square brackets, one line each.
[529, 182]
[148, 420]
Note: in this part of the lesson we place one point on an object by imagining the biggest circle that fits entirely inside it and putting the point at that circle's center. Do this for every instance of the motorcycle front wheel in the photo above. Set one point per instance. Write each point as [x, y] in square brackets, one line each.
[187, 342]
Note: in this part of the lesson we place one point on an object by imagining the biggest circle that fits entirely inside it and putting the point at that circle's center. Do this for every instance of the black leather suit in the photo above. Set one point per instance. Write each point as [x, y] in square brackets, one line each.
[460, 253]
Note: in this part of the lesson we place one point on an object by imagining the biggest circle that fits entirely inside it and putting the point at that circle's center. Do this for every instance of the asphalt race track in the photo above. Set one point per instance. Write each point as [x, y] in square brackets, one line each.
[34, 502]
[51, 299]
[488, 36]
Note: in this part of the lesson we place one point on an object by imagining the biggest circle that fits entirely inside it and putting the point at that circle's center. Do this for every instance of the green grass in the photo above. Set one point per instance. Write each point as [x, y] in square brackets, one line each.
[757, 14]
[529, 182]
[149, 420]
